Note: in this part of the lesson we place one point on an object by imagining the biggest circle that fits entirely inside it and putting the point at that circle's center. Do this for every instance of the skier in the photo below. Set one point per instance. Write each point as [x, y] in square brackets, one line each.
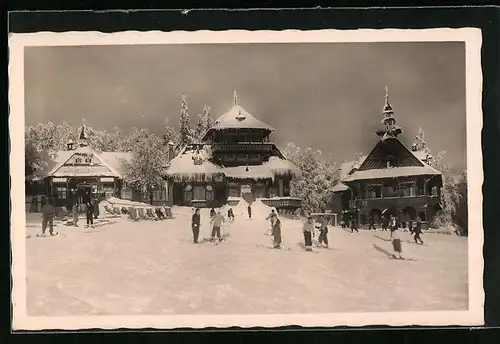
[371, 223]
[272, 217]
[48, 213]
[75, 214]
[354, 225]
[230, 214]
[393, 223]
[418, 230]
[216, 221]
[195, 225]
[212, 212]
[308, 230]
[277, 234]
[249, 209]
[323, 232]
[90, 215]
[396, 242]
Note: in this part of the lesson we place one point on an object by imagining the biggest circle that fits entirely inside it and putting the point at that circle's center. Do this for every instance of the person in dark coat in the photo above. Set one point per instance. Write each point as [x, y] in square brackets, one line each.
[230, 214]
[385, 223]
[323, 232]
[277, 234]
[308, 230]
[195, 225]
[249, 209]
[354, 225]
[371, 223]
[418, 230]
[90, 215]
[48, 213]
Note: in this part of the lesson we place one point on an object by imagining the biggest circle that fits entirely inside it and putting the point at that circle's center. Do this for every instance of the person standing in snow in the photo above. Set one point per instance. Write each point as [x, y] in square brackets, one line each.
[323, 232]
[212, 212]
[90, 215]
[230, 214]
[418, 230]
[396, 243]
[385, 223]
[393, 223]
[48, 213]
[195, 225]
[277, 234]
[272, 217]
[249, 209]
[371, 223]
[308, 230]
[354, 225]
[216, 221]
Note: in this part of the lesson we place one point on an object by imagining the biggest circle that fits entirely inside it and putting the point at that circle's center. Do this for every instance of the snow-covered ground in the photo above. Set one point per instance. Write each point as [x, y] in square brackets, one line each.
[149, 267]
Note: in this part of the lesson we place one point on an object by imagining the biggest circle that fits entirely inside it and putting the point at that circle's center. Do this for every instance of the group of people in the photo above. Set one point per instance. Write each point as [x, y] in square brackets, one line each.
[216, 221]
[49, 213]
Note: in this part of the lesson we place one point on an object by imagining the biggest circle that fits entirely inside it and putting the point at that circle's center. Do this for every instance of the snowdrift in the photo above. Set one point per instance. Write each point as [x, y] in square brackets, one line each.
[260, 210]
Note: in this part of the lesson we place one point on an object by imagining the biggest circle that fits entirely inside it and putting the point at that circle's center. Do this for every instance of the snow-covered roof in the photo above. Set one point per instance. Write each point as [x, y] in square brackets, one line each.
[340, 187]
[392, 173]
[112, 164]
[183, 166]
[347, 166]
[239, 118]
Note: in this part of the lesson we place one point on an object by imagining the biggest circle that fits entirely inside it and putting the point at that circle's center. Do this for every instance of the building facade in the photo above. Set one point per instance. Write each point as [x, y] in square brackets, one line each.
[80, 174]
[391, 179]
[236, 158]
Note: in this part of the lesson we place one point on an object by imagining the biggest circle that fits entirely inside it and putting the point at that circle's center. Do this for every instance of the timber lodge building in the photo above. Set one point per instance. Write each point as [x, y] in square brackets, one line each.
[235, 158]
[391, 179]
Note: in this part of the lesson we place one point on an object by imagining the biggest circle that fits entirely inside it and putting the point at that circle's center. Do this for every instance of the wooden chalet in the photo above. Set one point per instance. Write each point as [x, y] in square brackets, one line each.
[391, 179]
[80, 173]
[236, 158]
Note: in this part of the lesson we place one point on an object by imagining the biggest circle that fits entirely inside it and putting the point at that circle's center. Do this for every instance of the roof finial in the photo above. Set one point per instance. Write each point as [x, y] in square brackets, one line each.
[235, 99]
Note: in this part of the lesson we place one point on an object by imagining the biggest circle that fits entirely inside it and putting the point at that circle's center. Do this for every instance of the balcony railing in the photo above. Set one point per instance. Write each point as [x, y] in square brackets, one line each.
[362, 203]
[242, 147]
[283, 202]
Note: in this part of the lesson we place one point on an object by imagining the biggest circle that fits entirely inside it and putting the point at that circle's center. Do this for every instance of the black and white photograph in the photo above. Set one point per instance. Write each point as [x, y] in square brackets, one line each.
[246, 178]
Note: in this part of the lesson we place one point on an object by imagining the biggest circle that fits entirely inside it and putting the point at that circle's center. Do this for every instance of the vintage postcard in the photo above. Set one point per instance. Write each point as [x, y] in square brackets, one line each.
[246, 178]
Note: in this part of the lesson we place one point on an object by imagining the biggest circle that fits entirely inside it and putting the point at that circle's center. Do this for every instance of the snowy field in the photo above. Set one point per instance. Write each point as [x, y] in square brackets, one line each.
[149, 267]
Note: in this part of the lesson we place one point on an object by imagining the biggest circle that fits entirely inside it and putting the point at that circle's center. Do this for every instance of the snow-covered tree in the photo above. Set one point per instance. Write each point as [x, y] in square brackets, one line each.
[319, 175]
[145, 168]
[203, 124]
[185, 130]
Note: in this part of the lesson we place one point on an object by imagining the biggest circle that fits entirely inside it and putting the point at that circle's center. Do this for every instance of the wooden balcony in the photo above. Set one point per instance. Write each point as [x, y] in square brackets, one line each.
[286, 203]
[416, 202]
[242, 147]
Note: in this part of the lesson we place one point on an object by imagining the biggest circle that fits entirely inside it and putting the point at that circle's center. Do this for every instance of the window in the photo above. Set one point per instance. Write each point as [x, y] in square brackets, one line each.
[434, 191]
[188, 193]
[88, 160]
[108, 190]
[126, 192]
[234, 190]
[199, 192]
[407, 189]
[160, 194]
[241, 157]
[209, 193]
[61, 192]
[374, 191]
[390, 191]
[78, 161]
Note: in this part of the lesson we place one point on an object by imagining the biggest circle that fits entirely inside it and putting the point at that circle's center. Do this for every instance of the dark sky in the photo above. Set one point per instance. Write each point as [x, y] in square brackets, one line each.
[327, 96]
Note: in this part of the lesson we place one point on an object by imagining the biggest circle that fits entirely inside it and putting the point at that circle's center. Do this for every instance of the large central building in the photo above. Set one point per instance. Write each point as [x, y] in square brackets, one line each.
[236, 158]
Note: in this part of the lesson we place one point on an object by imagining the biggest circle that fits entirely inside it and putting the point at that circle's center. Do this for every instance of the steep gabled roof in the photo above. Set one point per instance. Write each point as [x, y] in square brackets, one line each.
[112, 164]
[373, 166]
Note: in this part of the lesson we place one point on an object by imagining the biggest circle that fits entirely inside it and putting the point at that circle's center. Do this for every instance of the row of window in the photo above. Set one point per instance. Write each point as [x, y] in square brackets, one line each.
[408, 190]
[240, 157]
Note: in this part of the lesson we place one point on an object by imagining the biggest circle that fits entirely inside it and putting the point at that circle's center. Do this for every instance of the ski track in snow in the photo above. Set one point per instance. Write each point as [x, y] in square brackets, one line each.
[150, 267]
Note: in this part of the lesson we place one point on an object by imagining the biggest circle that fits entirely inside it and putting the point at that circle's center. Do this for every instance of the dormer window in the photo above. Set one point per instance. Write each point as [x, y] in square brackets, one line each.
[78, 161]
[88, 160]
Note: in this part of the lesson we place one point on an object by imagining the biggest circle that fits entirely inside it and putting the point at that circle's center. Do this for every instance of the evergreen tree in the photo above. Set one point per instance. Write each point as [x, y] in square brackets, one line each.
[209, 120]
[204, 123]
[185, 130]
